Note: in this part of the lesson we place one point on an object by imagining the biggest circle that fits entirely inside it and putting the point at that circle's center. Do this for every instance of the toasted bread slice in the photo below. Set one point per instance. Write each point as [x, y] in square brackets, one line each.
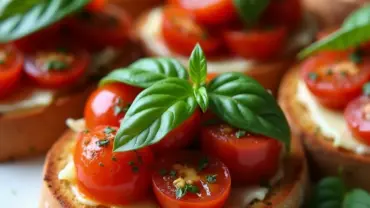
[289, 192]
[321, 154]
[135, 8]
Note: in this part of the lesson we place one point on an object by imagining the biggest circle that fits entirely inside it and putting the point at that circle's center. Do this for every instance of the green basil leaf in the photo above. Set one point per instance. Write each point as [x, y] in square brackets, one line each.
[250, 10]
[357, 198]
[244, 103]
[13, 7]
[145, 72]
[198, 66]
[328, 193]
[354, 31]
[29, 18]
[154, 113]
[201, 96]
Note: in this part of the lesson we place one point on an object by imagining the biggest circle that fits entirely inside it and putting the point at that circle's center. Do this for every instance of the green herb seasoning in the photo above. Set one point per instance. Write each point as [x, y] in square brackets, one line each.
[203, 163]
[312, 76]
[134, 167]
[180, 192]
[55, 65]
[356, 57]
[101, 164]
[211, 178]
[366, 89]
[114, 158]
[103, 143]
[118, 107]
[109, 130]
[173, 173]
[240, 133]
[162, 172]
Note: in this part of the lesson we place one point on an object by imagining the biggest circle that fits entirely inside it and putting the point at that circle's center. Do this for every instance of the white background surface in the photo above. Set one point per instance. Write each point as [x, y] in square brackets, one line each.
[20, 183]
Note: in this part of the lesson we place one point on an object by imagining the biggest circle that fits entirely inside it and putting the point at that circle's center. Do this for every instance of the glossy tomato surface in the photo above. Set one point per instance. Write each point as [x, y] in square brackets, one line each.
[108, 104]
[357, 115]
[97, 30]
[181, 33]
[56, 66]
[11, 63]
[260, 44]
[211, 12]
[204, 181]
[115, 178]
[336, 78]
[181, 136]
[284, 12]
[251, 159]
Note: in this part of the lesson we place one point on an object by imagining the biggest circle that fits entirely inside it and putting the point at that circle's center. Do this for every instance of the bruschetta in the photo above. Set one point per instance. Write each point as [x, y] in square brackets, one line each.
[263, 51]
[46, 77]
[175, 149]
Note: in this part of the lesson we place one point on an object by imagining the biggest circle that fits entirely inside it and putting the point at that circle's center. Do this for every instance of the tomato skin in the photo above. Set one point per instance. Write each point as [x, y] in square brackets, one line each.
[357, 118]
[284, 12]
[256, 43]
[10, 70]
[165, 191]
[111, 178]
[56, 79]
[95, 5]
[251, 159]
[112, 21]
[181, 33]
[211, 12]
[335, 90]
[101, 105]
[181, 136]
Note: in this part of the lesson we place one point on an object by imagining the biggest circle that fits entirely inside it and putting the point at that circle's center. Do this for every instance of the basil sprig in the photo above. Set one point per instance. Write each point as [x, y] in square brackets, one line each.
[165, 104]
[19, 19]
[145, 72]
[250, 10]
[331, 192]
[244, 103]
[354, 31]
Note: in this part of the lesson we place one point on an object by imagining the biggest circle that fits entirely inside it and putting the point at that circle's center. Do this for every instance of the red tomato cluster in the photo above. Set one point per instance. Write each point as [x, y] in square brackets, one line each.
[59, 56]
[179, 177]
[215, 25]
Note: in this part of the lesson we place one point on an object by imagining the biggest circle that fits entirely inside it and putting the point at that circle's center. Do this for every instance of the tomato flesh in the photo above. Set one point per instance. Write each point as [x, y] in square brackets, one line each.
[181, 136]
[210, 193]
[181, 33]
[107, 105]
[251, 159]
[115, 178]
[284, 12]
[11, 63]
[56, 67]
[211, 12]
[334, 78]
[256, 43]
[357, 115]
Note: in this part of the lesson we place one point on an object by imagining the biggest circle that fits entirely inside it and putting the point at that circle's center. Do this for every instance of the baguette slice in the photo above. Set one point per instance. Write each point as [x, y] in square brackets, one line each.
[290, 192]
[322, 156]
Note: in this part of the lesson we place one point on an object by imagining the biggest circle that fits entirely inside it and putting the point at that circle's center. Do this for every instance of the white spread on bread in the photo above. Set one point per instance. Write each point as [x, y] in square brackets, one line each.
[150, 33]
[331, 123]
[76, 125]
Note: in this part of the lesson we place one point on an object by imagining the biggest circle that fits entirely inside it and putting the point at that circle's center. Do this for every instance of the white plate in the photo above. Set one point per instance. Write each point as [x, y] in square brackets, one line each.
[20, 183]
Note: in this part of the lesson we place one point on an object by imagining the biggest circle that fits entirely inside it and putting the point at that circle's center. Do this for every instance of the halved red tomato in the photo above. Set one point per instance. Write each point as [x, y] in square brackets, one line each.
[336, 78]
[100, 29]
[212, 12]
[181, 33]
[181, 136]
[95, 5]
[114, 178]
[257, 44]
[188, 179]
[251, 159]
[284, 12]
[56, 66]
[357, 115]
[11, 63]
[107, 105]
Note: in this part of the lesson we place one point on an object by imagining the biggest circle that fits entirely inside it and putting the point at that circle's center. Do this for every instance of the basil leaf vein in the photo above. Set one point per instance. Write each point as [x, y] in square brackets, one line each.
[201, 95]
[154, 113]
[145, 72]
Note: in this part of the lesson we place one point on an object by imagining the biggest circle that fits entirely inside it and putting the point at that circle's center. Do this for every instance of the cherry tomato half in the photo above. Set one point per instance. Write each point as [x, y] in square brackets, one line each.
[116, 178]
[181, 33]
[208, 11]
[56, 66]
[11, 63]
[181, 136]
[107, 105]
[95, 5]
[336, 78]
[256, 43]
[251, 159]
[100, 29]
[190, 180]
[357, 115]
[284, 12]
